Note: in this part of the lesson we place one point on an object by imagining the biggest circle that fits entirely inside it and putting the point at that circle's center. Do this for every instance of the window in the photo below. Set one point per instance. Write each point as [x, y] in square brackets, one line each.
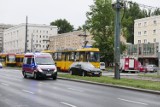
[145, 40]
[154, 31]
[29, 60]
[145, 32]
[139, 41]
[155, 22]
[139, 24]
[154, 40]
[145, 23]
[139, 33]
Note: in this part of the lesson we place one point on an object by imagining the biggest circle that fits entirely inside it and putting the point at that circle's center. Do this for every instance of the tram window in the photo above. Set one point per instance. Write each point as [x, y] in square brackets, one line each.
[77, 56]
[55, 56]
[67, 57]
[82, 56]
[59, 56]
[71, 57]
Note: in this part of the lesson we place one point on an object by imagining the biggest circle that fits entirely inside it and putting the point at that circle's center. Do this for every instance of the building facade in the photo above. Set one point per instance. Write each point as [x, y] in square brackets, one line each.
[37, 38]
[2, 28]
[146, 47]
[71, 40]
[146, 30]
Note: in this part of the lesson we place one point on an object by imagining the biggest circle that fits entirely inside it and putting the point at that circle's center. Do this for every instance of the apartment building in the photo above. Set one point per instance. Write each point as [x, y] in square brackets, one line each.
[71, 40]
[2, 28]
[146, 30]
[37, 37]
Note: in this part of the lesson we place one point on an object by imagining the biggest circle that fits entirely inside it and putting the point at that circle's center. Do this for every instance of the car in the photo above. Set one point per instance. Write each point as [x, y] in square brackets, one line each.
[1, 66]
[151, 68]
[102, 66]
[84, 69]
[38, 65]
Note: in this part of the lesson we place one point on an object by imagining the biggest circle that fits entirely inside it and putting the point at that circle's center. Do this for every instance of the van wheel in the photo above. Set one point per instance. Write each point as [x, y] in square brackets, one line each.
[54, 77]
[36, 76]
[24, 74]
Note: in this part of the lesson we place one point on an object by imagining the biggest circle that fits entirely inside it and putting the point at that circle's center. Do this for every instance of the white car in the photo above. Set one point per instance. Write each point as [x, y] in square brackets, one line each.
[151, 68]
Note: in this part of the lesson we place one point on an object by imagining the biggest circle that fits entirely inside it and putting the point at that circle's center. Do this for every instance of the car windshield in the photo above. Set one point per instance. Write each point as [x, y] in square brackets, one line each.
[44, 61]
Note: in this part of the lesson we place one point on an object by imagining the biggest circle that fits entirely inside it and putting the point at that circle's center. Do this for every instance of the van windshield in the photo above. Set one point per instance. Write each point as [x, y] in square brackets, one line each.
[44, 61]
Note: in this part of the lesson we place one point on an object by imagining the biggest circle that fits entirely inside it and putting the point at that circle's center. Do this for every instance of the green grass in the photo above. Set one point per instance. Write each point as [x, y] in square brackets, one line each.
[149, 75]
[144, 84]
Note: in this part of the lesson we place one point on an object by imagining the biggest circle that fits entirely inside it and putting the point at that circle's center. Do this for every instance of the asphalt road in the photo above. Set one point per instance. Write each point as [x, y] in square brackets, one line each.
[15, 91]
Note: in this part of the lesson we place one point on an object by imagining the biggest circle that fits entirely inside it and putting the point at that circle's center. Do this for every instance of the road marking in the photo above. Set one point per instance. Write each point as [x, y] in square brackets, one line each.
[68, 104]
[28, 91]
[5, 84]
[76, 90]
[132, 101]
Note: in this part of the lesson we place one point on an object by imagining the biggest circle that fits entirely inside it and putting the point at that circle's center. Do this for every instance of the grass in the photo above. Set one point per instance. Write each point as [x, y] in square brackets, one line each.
[149, 75]
[143, 84]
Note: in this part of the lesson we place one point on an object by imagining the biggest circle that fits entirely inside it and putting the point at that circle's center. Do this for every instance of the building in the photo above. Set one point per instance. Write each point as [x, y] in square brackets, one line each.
[37, 38]
[146, 46]
[2, 28]
[146, 30]
[71, 40]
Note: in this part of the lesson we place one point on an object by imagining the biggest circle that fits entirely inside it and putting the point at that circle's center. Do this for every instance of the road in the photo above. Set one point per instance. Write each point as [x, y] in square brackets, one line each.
[15, 91]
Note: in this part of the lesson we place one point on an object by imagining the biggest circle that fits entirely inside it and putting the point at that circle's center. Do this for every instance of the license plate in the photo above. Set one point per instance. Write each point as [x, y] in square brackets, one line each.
[96, 73]
[48, 74]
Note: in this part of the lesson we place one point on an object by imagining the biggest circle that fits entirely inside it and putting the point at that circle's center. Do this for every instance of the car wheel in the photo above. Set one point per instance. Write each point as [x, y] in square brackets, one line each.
[54, 77]
[24, 74]
[35, 76]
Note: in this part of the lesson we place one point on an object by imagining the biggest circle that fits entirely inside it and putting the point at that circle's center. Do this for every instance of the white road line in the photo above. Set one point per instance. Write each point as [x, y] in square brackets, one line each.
[132, 101]
[5, 84]
[68, 104]
[76, 89]
[28, 91]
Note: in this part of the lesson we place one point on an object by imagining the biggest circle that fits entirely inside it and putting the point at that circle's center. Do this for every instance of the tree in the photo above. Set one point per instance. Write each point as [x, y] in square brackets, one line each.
[63, 26]
[156, 12]
[100, 21]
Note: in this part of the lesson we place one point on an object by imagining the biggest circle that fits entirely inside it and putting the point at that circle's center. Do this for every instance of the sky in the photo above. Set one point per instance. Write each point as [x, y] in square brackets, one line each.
[46, 11]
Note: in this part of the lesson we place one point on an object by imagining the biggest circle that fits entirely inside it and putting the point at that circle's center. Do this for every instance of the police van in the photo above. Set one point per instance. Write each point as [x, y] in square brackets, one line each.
[38, 65]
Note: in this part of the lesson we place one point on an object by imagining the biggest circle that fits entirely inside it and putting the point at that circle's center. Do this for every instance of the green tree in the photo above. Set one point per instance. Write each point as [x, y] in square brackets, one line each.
[63, 26]
[99, 22]
[156, 11]
[131, 13]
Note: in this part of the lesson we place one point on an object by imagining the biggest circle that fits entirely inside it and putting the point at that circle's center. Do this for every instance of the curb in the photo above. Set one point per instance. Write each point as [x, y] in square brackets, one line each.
[114, 86]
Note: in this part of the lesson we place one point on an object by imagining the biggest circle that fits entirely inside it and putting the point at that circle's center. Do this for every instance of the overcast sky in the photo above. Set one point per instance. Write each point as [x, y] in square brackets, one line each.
[46, 11]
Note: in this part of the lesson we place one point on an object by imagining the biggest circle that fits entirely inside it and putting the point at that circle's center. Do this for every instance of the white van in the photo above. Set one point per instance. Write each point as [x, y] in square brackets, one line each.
[38, 65]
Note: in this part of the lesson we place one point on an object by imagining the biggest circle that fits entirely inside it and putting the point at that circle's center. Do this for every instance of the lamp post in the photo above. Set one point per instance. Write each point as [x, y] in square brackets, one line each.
[117, 6]
[25, 50]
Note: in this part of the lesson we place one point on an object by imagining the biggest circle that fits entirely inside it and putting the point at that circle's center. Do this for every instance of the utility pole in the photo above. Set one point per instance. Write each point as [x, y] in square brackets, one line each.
[26, 34]
[85, 36]
[117, 6]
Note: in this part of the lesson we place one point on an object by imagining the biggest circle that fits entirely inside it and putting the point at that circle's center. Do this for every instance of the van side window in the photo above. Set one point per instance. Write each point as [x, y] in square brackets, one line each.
[29, 60]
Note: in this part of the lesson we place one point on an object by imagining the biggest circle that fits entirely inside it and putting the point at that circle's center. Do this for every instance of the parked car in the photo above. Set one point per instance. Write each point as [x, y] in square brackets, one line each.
[151, 68]
[1, 66]
[102, 66]
[84, 69]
